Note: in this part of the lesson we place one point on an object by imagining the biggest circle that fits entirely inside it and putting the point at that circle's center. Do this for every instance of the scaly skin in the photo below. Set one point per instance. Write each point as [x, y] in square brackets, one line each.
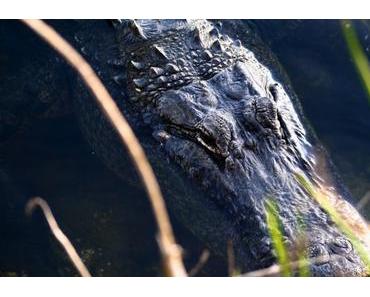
[229, 131]
[223, 136]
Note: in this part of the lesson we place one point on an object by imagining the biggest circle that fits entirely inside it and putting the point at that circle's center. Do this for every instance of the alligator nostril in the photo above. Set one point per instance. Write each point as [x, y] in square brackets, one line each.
[341, 245]
[273, 90]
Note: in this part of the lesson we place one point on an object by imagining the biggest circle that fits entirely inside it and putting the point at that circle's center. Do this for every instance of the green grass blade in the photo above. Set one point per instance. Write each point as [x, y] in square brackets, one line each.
[303, 263]
[303, 266]
[276, 236]
[357, 53]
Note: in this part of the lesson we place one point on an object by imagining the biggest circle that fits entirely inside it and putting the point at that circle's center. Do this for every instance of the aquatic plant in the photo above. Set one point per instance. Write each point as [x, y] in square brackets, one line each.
[357, 54]
[170, 251]
[274, 227]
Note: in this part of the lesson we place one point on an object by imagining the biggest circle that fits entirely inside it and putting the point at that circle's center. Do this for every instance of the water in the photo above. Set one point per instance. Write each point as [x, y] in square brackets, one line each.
[109, 221]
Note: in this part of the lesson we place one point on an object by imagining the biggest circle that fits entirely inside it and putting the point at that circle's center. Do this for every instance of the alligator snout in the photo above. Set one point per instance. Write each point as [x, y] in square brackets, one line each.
[335, 257]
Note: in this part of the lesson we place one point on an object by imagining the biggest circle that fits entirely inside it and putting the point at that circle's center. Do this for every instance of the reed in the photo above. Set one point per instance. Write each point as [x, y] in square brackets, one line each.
[357, 54]
[170, 251]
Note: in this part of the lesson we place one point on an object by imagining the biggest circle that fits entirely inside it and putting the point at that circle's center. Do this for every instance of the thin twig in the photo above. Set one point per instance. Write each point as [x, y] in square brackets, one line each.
[171, 253]
[58, 233]
[204, 256]
[364, 200]
[275, 270]
[230, 258]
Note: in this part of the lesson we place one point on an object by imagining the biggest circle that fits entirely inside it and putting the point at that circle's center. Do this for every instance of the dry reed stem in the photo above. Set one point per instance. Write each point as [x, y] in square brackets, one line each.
[230, 258]
[204, 256]
[364, 201]
[171, 253]
[275, 270]
[58, 233]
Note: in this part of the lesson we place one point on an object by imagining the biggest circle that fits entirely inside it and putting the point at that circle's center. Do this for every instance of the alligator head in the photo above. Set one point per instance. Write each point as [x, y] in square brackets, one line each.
[222, 118]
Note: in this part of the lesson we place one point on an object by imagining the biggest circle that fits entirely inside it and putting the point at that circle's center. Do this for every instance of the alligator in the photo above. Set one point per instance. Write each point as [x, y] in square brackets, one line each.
[223, 129]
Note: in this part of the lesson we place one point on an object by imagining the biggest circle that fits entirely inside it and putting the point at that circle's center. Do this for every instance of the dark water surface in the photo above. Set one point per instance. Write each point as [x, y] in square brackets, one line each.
[110, 221]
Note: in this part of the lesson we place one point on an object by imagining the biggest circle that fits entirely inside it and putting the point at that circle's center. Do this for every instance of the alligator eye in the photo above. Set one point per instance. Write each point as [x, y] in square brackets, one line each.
[266, 113]
[214, 133]
[341, 246]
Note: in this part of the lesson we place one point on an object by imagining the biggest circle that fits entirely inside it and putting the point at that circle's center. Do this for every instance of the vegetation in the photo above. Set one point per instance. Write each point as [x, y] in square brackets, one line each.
[275, 231]
[170, 251]
[357, 54]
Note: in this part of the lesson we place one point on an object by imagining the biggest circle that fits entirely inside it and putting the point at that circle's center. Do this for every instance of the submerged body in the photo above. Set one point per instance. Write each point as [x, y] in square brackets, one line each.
[223, 135]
